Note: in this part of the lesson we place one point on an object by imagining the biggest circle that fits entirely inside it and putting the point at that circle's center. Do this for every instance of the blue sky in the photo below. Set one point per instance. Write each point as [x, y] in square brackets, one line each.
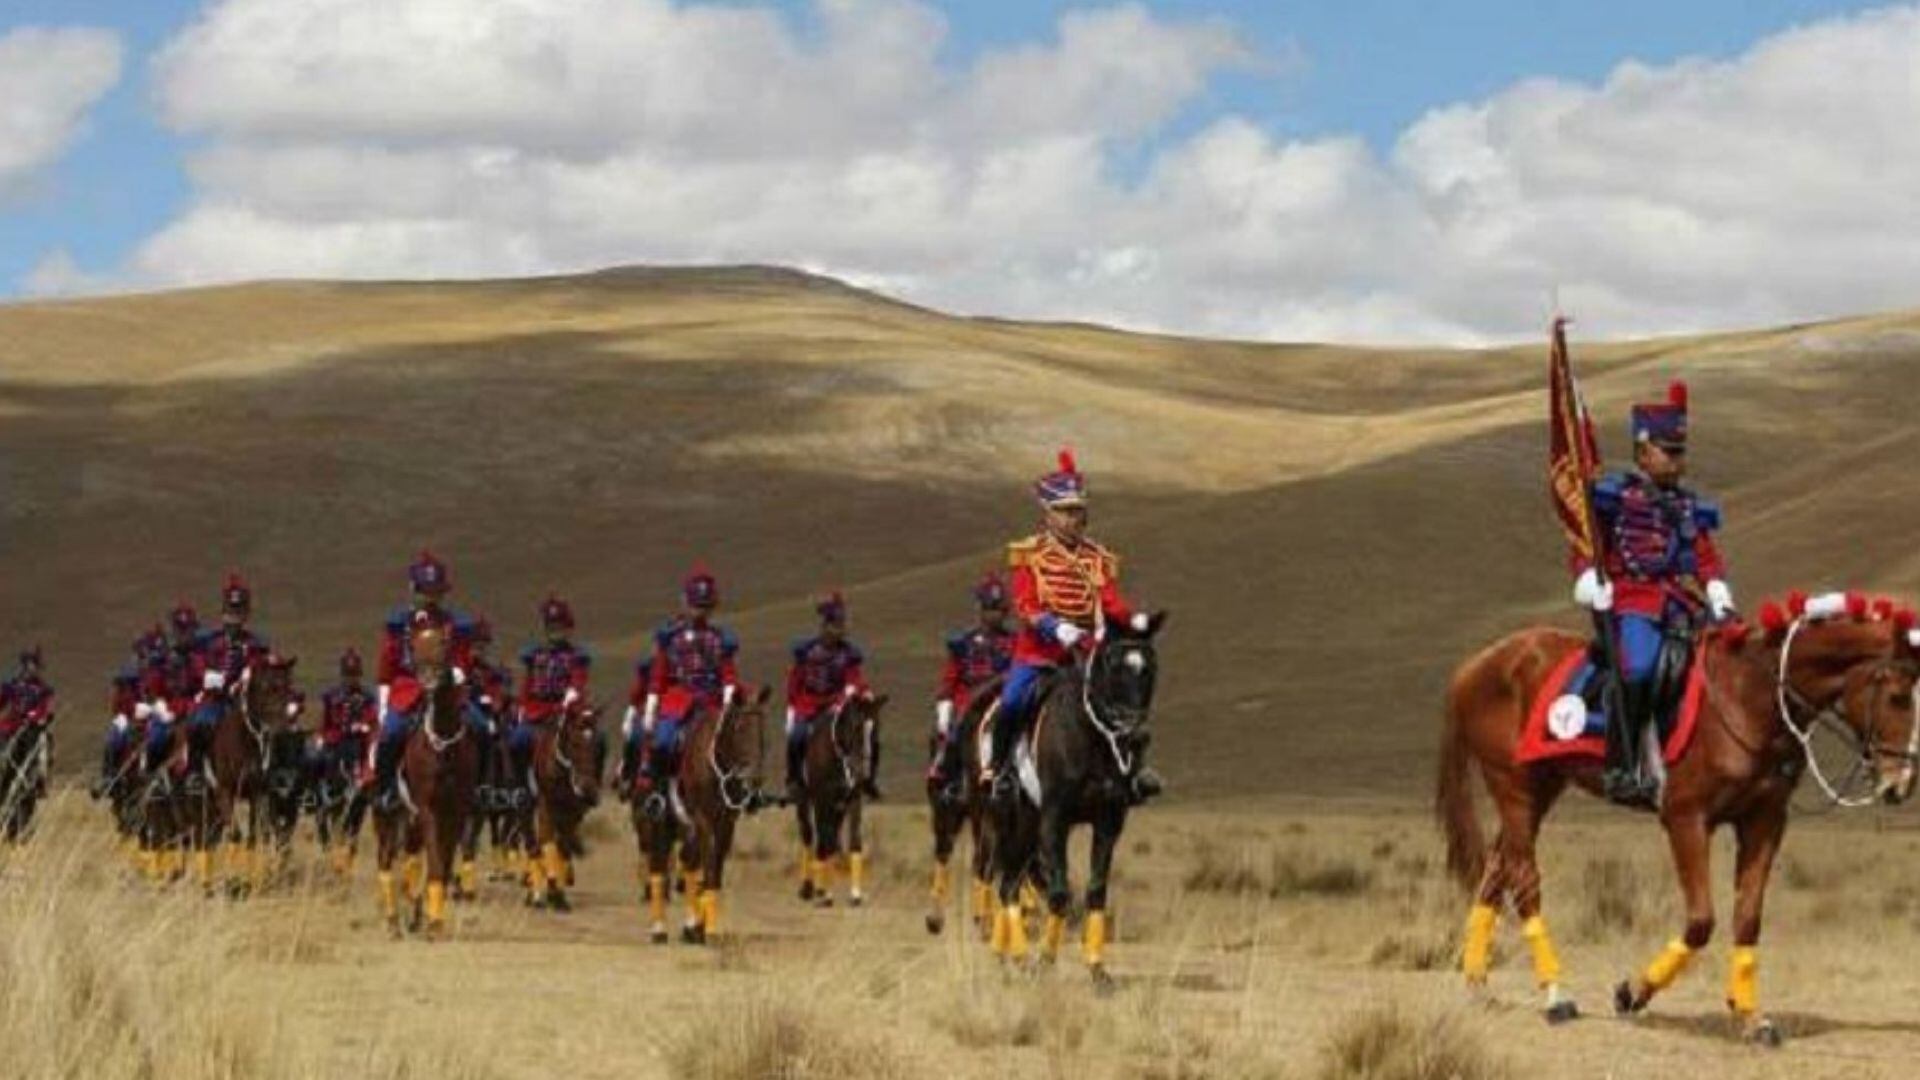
[1368, 68]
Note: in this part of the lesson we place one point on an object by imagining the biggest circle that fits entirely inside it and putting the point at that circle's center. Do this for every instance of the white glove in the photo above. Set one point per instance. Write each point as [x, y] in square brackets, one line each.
[652, 713]
[572, 695]
[792, 717]
[1591, 593]
[942, 717]
[119, 722]
[1719, 599]
[142, 711]
[214, 681]
[162, 713]
[626, 722]
[1068, 634]
[850, 692]
[1140, 621]
[384, 693]
[459, 677]
[293, 710]
[726, 696]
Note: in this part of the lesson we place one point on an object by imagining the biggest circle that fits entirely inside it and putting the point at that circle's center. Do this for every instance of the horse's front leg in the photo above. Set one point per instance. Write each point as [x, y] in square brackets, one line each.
[945, 830]
[656, 861]
[1107, 827]
[1053, 871]
[719, 843]
[693, 861]
[1690, 838]
[803, 824]
[1759, 841]
[553, 858]
[856, 855]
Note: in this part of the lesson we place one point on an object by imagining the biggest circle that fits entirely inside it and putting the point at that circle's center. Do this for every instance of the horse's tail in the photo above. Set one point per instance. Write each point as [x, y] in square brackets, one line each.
[1453, 794]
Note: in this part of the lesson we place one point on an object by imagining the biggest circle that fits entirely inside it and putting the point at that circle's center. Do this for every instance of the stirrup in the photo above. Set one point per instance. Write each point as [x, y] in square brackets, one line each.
[654, 806]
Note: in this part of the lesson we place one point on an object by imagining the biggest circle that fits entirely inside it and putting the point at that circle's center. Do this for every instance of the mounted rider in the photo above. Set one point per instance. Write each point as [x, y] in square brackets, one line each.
[26, 699]
[693, 668]
[975, 657]
[1065, 588]
[489, 707]
[175, 677]
[349, 716]
[1660, 574]
[129, 710]
[553, 687]
[399, 691]
[828, 670]
[226, 654]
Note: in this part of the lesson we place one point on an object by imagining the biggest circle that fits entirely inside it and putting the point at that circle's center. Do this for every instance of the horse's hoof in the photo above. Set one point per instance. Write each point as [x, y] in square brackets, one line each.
[856, 900]
[659, 937]
[1764, 1033]
[824, 900]
[558, 902]
[1625, 1001]
[1103, 983]
[1561, 1012]
[806, 890]
[936, 922]
[693, 935]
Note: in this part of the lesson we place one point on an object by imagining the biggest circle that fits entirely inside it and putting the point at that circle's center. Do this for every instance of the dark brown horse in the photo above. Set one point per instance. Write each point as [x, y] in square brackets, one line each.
[566, 765]
[1764, 691]
[239, 756]
[834, 770]
[962, 807]
[717, 779]
[26, 760]
[1085, 749]
[439, 772]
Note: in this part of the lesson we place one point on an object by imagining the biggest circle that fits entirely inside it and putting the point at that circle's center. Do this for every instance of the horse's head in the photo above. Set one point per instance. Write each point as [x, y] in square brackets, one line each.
[431, 646]
[739, 745]
[1858, 664]
[270, 693]
[1121, 675]
[582, 750]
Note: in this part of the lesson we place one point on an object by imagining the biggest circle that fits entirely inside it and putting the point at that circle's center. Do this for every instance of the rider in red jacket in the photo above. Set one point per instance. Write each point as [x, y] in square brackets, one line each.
[827, 670]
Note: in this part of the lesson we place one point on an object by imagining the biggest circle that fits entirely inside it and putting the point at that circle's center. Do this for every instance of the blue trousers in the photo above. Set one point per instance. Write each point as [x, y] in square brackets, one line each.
[1638, 637]
[159, 737]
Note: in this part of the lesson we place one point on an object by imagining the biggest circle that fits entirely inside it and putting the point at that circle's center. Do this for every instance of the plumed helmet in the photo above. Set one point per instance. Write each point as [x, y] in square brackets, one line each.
[183, 618]
[1063, 487]
[991, 593]
[556, 613]
[700, 589]
[429, 575]
[235, 597]
[1664, 424]
[30, 656]
[351, 666]
[832, 608]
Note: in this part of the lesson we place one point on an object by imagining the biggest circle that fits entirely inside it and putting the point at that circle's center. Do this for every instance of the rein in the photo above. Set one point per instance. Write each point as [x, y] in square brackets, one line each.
[728, 777]
[440, 744]
[1866, 748]
[1122, 757]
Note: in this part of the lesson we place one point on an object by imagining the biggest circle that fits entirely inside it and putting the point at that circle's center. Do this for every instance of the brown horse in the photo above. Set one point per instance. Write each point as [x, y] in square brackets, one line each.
[26, 761]
[717, 778]
[566, 766]
[1763, 693]
[834, 769]
[962, 806]
[439, 772]
[239, 755]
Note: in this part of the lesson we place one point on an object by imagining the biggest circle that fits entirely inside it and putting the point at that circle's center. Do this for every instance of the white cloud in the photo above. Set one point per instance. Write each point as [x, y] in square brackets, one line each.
[57, 274]
[49, 78]
[418, 138]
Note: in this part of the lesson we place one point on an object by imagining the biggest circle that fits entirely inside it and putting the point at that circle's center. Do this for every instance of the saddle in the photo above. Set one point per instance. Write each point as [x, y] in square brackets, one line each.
[1569, 714]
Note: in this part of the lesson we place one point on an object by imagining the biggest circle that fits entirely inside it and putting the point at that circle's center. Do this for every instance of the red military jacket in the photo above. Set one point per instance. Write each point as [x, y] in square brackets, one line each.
[347, 711]
[23, 702]
[822, 673]
[396, 671]
[1054, 582]
[975, 657]
[551, 671]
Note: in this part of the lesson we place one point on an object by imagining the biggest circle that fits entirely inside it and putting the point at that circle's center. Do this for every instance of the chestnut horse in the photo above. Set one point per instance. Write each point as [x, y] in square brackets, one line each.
[1090, 731]
[834, 767]
[962, 806]
[568, 757]
[717, 778]
[239, 756]
[439, 772]
[1764, 691]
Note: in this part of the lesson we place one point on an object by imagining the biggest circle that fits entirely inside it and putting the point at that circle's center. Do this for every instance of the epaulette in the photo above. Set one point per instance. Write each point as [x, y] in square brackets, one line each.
[957, 642]
[1020, 552]
[1706, 514]
[729, 644]
[397, 621]
[800, 647]
[855, 654]
[527, 654]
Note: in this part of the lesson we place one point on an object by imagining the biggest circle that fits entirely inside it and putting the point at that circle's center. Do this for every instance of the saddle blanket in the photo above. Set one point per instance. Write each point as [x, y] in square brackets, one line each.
[1562, 723]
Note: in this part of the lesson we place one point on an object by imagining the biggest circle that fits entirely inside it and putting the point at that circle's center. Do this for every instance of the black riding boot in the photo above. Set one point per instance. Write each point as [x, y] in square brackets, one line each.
[386, 768]
[521, 761]
[1006, 731]
[1626, 779]
[796, 761]
[871, 785]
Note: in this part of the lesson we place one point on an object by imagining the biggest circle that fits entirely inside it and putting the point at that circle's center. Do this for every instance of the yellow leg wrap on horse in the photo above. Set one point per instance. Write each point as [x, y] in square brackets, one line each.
[1546, 963]
[436, 902]
[857, 871]
[389, 895]
[690, 882]
[469, 876]
[657, 897]
[1093, 938]
[940, 880]
[1016, 933]
[710, 911]
[343, 860]
[536, 876]
[203, 866]
[1029, 898]
[150, 865]
[413, 875]
[1054, 933]
[556, 863]
[998, 941]
[1476, 949]
[1743, 984]
[806, 863]
[1668, 965]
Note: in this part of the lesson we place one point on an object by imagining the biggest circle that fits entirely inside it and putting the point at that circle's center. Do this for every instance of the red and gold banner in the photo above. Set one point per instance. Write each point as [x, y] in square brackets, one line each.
[1573, 457]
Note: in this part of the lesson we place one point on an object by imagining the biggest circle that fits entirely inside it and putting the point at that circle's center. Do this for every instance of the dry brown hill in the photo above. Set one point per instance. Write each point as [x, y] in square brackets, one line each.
[1332, 526]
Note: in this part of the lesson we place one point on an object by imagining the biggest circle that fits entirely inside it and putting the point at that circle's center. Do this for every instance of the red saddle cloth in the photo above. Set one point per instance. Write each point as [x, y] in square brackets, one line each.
[1539, 743]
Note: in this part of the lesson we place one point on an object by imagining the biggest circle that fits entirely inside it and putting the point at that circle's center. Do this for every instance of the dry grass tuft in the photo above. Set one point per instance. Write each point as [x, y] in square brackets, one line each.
[1392, 1042]
[1290, 873]
[1614, 896]
[766, 1038]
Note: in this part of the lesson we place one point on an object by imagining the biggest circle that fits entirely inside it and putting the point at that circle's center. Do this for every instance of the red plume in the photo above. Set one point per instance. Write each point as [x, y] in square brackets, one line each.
[1797, 603]
[1903, 620]
[1882, 608]
[1067, 464]
[1856, 605]
[1677, 394]
[1772, 619]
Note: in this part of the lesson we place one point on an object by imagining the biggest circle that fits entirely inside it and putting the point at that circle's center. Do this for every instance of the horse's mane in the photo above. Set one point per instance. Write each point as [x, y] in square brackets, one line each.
[1777, 615]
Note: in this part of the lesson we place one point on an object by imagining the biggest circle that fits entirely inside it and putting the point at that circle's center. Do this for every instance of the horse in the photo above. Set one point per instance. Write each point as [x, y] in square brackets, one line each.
[1763, 692]
[717, 778]
[1085, 748]
[340, 804]
[568, 758]
[439, 771]
[237, 758]
[962, 805]
[835, 765]
[26, 761]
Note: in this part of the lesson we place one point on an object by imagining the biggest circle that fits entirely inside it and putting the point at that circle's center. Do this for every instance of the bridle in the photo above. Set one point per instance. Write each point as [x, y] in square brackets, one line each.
[1121, 726]
[738, 776]
[1868, 749]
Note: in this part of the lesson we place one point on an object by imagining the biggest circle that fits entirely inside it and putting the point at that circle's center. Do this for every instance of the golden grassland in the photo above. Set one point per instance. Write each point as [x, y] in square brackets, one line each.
[1285, 943]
